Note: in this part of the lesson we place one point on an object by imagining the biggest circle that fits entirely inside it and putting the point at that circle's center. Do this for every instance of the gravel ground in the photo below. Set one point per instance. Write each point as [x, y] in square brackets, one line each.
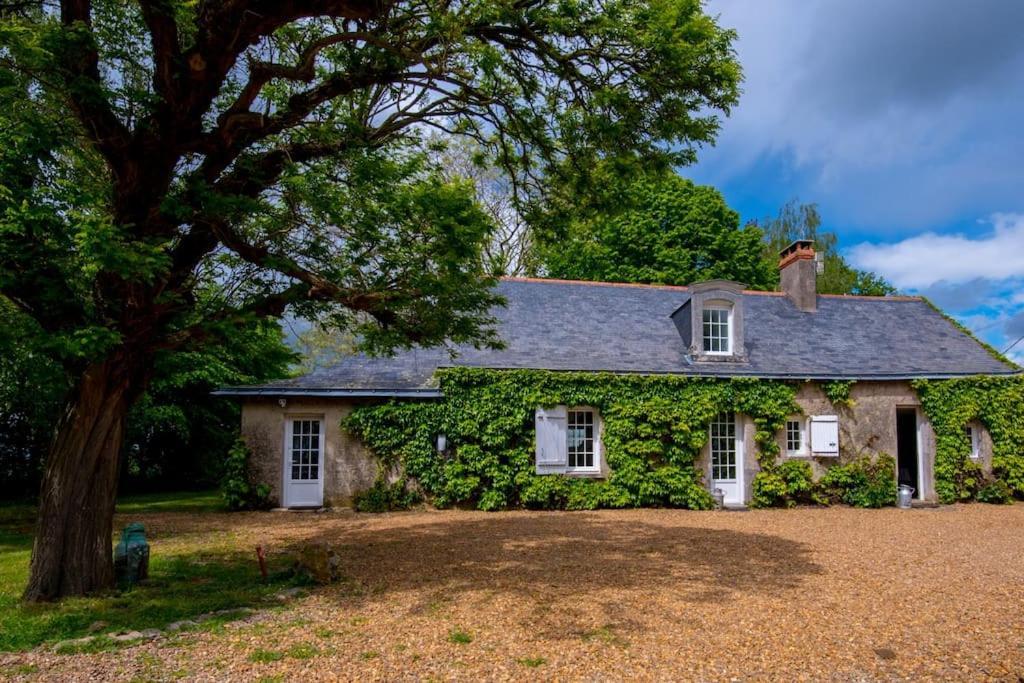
[806, 594]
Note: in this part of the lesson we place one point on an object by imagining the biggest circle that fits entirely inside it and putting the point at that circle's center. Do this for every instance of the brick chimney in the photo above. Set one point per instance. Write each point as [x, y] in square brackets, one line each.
[798, 273]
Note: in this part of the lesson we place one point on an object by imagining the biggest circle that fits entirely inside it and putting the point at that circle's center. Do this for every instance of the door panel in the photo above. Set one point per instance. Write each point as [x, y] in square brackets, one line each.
[303, 462]
[727, 458]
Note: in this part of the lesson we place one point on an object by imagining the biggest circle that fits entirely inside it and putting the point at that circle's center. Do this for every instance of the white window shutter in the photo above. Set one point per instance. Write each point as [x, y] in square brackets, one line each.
[825, 435]
[552, 456]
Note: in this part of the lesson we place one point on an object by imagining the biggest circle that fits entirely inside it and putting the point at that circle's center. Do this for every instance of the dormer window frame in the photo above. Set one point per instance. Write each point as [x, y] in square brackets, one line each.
[717, 306]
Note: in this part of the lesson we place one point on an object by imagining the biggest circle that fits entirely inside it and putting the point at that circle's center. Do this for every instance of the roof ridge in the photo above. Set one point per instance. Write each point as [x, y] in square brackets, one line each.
[685, 288]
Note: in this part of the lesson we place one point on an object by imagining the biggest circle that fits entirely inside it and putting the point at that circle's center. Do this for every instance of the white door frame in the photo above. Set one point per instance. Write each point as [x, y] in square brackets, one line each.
[919, 437]
[739, 426]
[286, 459]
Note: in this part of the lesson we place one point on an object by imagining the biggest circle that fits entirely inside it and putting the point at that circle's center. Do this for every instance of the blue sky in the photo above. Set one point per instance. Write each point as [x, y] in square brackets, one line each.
[904, 121]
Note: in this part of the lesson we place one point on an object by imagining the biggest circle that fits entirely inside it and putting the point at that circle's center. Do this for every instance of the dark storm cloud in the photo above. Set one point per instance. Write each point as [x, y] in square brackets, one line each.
[866, 56]
[896, 116]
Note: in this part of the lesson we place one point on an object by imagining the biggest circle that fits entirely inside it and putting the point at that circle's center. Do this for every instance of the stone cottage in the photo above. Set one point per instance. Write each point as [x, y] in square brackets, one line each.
[708, 329]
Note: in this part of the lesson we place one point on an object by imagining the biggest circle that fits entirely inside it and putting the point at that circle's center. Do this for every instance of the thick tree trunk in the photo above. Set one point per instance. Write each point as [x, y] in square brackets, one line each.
[72, 552]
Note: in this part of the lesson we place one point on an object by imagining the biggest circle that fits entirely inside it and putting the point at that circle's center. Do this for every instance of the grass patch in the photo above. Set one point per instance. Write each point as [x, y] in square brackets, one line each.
[605, 634]
[369, 654]
[460, 637]
[303, 651]
[187, 501]
[262, 656]
[202, 576]
[532, 662]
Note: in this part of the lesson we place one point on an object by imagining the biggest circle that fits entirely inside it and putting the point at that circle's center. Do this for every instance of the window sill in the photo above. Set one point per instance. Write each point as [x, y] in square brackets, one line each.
[585, 474]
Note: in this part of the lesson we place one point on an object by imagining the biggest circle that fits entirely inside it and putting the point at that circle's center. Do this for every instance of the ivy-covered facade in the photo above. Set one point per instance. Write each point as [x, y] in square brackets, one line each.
[609, 396]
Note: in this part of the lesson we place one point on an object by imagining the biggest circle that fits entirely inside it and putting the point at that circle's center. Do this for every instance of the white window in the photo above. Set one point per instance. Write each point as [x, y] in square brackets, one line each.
[568, 440]
[581, 441]
[974, 438]
[305, 450]
[717, 330]
[723, 447]
[796, 437]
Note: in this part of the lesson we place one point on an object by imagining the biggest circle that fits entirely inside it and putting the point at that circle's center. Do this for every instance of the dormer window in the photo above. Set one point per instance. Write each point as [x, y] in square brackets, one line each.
[710, 322]
[717, 329]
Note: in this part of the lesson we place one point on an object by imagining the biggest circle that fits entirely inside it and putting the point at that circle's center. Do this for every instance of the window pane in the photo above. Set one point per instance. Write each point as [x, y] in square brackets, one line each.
[580, 439]
[295, 471]
[723, 447]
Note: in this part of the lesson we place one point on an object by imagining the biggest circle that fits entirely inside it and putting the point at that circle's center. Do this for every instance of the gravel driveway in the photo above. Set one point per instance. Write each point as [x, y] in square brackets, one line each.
[806, 594]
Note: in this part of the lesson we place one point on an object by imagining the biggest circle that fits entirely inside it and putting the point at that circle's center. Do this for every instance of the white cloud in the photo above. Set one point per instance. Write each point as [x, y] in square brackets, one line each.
[929, 258]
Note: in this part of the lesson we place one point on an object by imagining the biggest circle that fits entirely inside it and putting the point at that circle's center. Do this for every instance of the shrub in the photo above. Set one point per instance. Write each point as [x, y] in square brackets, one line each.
[1010, 470]
[789, 484]
[864, 482]
[237, 488]
[384, 497]
[994, 491]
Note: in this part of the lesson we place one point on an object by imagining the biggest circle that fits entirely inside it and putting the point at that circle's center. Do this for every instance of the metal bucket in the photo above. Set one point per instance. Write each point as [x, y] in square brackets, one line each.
[719, 496]
[904, 495]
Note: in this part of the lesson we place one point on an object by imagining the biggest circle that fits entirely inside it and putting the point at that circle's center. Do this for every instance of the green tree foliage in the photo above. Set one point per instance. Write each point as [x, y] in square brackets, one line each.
[656, 228]
[169, 169]
[802, 221]
[178, 435]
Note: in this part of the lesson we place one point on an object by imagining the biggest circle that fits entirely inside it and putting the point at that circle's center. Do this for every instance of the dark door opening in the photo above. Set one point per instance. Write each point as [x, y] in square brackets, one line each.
[906, 448]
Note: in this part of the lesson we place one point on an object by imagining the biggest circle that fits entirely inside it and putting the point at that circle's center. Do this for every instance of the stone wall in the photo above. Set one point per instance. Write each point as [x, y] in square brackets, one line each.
[349, 467]
[869, 427]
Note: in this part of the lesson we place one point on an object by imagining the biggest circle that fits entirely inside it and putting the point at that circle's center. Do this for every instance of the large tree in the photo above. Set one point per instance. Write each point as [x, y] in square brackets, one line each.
[653, 228]
[172, 167]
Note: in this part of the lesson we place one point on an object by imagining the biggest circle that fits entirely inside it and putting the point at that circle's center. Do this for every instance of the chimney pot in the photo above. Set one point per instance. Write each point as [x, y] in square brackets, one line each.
[798, 274]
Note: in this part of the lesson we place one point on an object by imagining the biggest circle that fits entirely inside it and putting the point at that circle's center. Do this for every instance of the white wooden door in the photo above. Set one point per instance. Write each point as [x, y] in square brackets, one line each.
[727, 457]
[303, 462]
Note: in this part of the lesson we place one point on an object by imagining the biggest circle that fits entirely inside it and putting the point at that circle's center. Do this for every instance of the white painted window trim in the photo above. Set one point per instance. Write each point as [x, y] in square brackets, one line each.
[802, 451]
[596, 468]
[975, 437]
[728, 329]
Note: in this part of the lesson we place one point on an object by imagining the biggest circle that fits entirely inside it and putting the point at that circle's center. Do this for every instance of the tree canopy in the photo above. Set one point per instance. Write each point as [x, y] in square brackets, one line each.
[657, 228]
[803, 221]
[172, 168]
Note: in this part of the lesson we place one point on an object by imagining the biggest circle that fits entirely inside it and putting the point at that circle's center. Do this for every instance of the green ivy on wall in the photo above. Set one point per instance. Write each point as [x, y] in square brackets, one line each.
[838, 392]
[654, 429]
[998, 404]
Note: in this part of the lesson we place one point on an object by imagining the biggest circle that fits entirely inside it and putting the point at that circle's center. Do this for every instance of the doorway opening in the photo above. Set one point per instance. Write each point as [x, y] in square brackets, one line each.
[907, 460]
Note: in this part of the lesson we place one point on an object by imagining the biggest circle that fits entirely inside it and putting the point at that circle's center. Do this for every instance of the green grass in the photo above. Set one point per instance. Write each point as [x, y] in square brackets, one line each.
[198, 579]
[189, 501]
[460, 637]
[264, 656]
[533, 662]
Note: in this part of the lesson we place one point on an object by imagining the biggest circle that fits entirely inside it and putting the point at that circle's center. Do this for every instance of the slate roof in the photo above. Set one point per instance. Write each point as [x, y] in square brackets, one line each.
[565, 325]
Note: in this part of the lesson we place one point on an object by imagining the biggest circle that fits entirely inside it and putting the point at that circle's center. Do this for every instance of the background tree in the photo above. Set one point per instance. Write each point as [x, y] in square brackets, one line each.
[510, 249]
[171, 169]
[803, 221]
[655, 228]
[178, 435]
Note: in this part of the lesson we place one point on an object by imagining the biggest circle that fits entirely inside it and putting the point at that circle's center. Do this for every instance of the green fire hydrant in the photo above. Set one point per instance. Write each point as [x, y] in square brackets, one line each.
[131, 556]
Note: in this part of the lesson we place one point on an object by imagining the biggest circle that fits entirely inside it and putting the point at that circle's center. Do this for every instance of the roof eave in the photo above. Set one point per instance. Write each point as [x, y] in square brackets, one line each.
[275, 392]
